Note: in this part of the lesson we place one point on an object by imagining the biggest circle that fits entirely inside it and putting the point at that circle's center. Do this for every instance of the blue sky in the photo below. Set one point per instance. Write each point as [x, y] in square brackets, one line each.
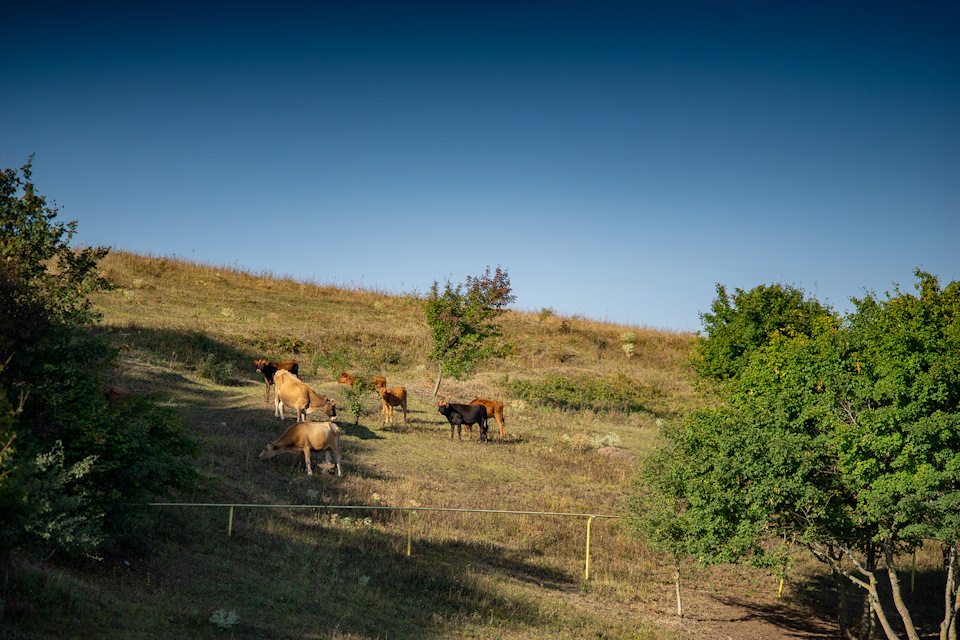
[617, 158]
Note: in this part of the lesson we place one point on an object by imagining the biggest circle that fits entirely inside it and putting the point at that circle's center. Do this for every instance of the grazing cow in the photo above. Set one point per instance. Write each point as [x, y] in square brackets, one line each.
[390, 398]
[464, 414]
[345, 378]
[307, 437]
[268, 369]
[494, 409]
[115, 394]
[299, 395]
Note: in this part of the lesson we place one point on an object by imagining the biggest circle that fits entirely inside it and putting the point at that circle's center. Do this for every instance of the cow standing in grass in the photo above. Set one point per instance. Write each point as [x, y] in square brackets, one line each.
[293, 392]
[345, 378]
[307, 437]
[269, 369]
[494, 409]
[390, 398]
[464, 414]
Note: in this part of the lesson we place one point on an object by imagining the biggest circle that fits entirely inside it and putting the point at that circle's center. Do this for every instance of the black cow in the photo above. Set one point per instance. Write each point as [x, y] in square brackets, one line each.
[464, 414]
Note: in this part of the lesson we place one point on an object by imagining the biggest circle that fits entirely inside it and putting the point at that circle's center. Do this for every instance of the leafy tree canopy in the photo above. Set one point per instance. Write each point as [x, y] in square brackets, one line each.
[461, 320]
[35, 250]
[840, 434]
[744, 321]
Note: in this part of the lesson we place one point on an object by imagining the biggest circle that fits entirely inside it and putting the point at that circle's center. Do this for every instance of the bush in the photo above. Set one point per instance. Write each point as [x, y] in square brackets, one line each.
[80, 472]
[617, 393]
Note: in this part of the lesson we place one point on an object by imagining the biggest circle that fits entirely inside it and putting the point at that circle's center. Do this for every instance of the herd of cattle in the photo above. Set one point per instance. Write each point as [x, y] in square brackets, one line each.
[306, 436]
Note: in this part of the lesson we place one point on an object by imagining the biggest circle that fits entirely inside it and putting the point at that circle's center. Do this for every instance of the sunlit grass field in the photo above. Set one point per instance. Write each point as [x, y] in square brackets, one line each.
[583, 399]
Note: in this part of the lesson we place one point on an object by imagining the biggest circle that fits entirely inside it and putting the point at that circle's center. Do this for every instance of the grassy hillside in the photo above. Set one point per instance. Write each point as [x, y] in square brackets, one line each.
[580, 408]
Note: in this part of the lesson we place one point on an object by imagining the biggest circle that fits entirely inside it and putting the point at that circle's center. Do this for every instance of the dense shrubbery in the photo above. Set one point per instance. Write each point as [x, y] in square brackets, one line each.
[76, 472]
[841, 434]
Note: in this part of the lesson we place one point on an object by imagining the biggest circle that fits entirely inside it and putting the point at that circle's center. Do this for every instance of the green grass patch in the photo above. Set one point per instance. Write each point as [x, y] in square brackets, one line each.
[615, 392]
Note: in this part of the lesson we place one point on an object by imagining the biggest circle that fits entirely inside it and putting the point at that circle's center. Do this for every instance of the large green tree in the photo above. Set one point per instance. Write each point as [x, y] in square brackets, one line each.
[77, 471]
[462, 321]
[842, 435]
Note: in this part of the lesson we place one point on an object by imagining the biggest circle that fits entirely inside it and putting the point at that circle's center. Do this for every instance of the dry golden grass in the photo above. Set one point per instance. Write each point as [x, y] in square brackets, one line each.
[190, 333]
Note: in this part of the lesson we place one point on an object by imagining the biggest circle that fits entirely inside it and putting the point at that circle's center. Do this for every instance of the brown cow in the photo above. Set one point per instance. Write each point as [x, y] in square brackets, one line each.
[307, 437]
[345, 378]
[115, 394]
[299, 395]
[494, 409]
[390, 398]
[268, 369]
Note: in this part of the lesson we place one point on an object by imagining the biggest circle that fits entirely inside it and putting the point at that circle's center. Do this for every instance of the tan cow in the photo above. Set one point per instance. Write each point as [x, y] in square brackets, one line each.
[297, 394]
[390, 398]
[345, 378]
[494, 409]
[268, 369]
[307, 437]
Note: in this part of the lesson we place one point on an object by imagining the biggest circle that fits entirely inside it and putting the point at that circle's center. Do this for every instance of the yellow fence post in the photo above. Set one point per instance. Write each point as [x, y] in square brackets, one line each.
[230, 523]
[586, 571]
[409, 529]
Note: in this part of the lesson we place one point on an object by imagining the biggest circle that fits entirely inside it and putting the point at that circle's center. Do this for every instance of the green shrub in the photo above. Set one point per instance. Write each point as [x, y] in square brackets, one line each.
[85, 470]
[270, 342]
[616, 393]
[222, 372]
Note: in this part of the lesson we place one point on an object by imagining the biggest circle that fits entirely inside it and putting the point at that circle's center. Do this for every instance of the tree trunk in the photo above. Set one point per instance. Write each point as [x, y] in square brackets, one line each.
[951, 599]
[897, 595]
[843, 612]
[436, 387]
[868, 624]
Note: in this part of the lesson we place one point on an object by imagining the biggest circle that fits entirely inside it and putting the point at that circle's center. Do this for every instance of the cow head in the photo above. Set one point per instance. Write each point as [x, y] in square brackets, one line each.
[260, 364]
[269, 451]
[330, 408]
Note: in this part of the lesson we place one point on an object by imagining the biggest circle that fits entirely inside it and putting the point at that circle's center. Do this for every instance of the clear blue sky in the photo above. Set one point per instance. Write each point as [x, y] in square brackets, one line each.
[617, 158]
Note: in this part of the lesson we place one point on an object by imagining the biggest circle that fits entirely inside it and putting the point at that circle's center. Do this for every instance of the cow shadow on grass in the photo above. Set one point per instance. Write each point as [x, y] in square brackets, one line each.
[358, 431]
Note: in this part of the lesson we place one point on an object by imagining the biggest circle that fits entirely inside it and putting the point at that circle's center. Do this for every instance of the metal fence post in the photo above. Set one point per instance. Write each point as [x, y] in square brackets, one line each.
[409, 530]
[230, 523]
[586, 571]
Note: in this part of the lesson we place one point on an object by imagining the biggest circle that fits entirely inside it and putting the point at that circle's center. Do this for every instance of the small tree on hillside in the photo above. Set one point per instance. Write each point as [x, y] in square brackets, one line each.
[461, 320]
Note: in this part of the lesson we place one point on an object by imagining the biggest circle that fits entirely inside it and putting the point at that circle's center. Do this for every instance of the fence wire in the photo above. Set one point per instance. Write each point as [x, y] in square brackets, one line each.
[231, 506]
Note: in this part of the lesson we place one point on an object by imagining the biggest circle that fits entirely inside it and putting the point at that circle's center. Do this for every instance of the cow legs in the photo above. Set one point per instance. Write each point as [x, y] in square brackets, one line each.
[404, 405]
[278, 411]
[306, 457]
[336, 457]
